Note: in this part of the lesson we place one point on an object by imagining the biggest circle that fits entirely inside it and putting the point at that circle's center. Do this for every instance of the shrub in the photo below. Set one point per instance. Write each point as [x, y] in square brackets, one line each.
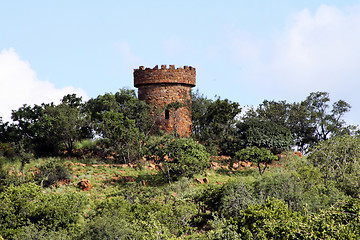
[6, 150]
[85, 144]
[256, 155]
[17, 204]
[302, 191]
[341, 221]
[180, 157]
[229, 198]
[272, 220]
[338, 161]
[116, 218]
[31, 232]
[27, 207]
[7, 174]
[111, 219]
[51, 171]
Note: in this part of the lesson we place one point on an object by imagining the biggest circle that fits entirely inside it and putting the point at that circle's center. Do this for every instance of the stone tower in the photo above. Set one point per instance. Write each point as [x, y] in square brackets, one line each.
[168, 90]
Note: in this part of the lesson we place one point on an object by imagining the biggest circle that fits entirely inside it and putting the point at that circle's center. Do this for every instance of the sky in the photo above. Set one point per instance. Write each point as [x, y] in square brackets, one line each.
[246, 51]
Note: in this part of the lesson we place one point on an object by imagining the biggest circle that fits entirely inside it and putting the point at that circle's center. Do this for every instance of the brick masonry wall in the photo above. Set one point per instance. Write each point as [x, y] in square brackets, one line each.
[160, 87]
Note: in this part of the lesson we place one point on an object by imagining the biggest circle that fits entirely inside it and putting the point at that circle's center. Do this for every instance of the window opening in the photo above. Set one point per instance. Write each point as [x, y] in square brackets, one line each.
[167, 114]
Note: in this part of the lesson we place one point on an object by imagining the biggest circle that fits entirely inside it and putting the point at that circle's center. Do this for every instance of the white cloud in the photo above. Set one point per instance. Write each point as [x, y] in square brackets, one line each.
[19, 85]
[320, 51]
[129, 59]
[316, 52]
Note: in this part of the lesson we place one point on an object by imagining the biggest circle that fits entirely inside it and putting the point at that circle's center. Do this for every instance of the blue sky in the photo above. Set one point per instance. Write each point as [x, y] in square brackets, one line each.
[246, 51]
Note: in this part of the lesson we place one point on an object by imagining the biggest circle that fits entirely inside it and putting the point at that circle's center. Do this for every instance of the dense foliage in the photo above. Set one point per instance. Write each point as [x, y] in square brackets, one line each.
[260, 156]
[162, 187]
[179, 157]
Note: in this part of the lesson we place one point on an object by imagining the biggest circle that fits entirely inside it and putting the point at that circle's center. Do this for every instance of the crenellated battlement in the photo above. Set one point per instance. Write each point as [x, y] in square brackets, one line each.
[164, 67]
[171, 75]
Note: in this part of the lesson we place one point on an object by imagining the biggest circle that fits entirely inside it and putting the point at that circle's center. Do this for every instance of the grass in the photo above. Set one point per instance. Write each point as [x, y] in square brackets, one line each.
[105, 178]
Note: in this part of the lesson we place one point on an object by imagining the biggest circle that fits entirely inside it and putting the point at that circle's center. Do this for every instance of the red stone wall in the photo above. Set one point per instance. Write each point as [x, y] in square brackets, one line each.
[160, 87]
[186, 75]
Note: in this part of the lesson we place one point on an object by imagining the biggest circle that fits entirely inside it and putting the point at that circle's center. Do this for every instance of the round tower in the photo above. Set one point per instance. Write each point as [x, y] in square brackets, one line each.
[168, 90]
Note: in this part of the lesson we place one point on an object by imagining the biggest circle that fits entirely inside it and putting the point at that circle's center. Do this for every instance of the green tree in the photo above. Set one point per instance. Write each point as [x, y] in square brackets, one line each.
[338, 160]
[260, 156]
[25, 128]
[199, 107]
[214, 122]
[123, 121]
[326, 122]
[66, 122]
[124, 137]
[264, 134]
[301, 126]
[282, 115]
[276, 112]
[180, 157]
[45, 129]
[125, 102]
[309, 121]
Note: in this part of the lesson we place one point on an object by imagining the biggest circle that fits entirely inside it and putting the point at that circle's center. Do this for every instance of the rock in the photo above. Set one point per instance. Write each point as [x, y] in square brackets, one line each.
[85, 185]
[199, 180]
[206, 180]
[247, 164]
[115, 179]
[235, 165]
[298, 153]
[158, 167]
[214, 165]
[128, 179]
[152, 166]
[81, 164]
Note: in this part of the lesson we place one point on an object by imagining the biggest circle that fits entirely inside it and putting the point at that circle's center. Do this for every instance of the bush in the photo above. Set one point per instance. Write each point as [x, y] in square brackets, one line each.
[7, 174]
[339, 161]
[111, 219]
[27, 207]
[256, 155]
[302, 191]
[51, 171]
[228, 199]
[116, 218]
[180, 157]
[6, 150]
[17, 204]
[272, 220]
[85, 144]
[31, 232]
[341, 221]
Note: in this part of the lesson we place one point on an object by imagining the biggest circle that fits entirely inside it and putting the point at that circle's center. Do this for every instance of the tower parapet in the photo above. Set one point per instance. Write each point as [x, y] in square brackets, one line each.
[162, 87]
[186, 75]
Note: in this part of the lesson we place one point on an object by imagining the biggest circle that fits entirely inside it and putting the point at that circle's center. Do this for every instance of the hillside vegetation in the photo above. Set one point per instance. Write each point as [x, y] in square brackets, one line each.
[91, 170]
